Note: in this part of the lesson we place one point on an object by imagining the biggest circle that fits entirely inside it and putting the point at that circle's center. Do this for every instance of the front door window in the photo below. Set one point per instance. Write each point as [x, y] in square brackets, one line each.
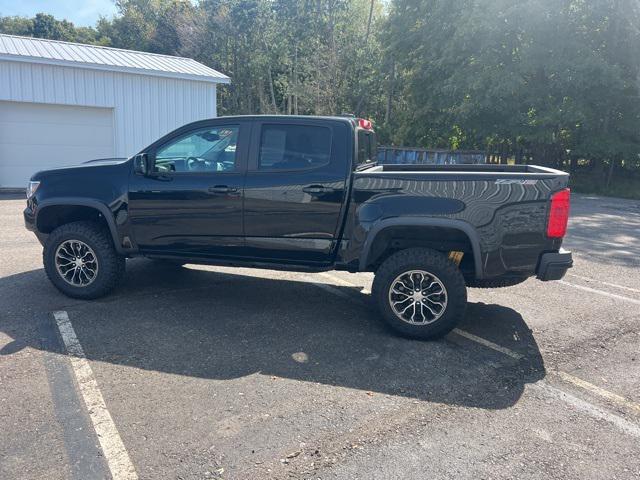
[205, 150]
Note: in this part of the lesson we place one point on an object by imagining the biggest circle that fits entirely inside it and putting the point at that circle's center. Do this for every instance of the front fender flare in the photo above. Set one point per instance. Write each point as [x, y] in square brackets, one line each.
[85, 202]
[461, 225]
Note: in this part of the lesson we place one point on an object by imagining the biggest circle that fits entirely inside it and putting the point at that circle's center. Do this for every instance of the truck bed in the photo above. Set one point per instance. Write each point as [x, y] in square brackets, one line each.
[468, 169]
[504, 206]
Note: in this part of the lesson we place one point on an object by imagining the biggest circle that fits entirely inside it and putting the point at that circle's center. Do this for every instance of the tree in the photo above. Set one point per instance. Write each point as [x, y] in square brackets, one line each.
[16, 26]
[546, 81]
[46, 26]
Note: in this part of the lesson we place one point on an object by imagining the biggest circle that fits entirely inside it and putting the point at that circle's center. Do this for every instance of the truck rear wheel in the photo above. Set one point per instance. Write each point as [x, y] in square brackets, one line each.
[420, 293]
[81, 261]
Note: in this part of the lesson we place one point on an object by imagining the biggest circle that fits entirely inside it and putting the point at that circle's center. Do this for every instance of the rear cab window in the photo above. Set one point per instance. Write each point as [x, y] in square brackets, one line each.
[367, 148]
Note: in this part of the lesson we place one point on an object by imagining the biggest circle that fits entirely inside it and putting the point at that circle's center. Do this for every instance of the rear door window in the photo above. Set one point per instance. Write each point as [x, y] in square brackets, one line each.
[294, 147]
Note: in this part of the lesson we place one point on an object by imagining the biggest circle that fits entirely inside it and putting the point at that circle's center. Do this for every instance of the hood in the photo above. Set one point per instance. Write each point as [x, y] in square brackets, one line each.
[88, 168]
[104, 179]
[105, 161]
[85, 166]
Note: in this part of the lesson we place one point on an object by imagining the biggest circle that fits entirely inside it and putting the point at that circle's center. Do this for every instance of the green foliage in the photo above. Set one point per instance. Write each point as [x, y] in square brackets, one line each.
[298, 57]
[46, 26]
[554, 82]
[549, 79]
[16, 26]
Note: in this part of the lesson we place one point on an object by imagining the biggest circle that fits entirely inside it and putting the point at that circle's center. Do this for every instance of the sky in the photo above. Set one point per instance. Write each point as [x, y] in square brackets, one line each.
[81, 12]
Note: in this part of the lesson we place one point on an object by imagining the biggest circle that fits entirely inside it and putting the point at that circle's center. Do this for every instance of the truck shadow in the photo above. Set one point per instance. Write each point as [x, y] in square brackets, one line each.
[222, 326]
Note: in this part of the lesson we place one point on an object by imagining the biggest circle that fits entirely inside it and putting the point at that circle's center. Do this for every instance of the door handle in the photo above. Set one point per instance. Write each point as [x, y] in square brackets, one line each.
[317, 189]
[223, 189]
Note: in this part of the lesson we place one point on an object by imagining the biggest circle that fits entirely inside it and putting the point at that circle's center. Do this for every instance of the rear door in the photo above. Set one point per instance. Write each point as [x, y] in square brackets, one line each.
[295, 189]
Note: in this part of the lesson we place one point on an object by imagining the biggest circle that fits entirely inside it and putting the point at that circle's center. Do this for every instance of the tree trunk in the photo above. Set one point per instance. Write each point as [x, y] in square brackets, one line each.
[271, 92]
[262, 102]
[235, 87]
[387, 112]
[614, 43]
[295, 80]
[366, 37]
[359, 71]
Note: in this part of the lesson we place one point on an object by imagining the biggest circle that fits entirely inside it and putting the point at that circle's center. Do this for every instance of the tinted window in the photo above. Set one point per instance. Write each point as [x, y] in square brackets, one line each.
[366, 146]
[206, 150]
[291, 147]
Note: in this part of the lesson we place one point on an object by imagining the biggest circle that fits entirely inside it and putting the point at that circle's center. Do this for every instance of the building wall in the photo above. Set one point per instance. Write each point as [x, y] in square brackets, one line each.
[145, 107]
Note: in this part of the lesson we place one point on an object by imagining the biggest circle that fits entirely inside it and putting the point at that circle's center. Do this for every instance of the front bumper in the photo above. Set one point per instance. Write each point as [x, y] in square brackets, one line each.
[553, 265]
[30, 224]
[29, 219]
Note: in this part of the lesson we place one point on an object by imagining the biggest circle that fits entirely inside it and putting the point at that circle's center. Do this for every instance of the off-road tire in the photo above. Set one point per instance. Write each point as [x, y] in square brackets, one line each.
[435, 263]
[111, 266]
[499, 282]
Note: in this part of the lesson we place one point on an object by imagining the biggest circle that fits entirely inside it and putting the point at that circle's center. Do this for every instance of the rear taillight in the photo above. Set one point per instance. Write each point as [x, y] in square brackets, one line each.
[366, 124]
[559, 214]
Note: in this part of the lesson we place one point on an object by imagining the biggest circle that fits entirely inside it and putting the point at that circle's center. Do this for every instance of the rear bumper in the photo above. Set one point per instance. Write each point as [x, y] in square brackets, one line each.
[553, 265]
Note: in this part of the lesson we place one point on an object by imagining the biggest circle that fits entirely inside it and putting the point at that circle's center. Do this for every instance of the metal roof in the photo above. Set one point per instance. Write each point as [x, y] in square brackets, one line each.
[39, 50]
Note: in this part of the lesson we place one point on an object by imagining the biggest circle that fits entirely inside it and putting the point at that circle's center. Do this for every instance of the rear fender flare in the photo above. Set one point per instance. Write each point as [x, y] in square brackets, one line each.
[460, 225]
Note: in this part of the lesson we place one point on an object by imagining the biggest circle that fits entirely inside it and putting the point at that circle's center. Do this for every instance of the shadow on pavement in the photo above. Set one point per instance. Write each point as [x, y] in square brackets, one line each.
[220, 326]
[607, 229]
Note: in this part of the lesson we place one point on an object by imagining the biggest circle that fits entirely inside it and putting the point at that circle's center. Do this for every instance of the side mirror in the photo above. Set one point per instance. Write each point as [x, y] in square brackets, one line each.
[142, 164]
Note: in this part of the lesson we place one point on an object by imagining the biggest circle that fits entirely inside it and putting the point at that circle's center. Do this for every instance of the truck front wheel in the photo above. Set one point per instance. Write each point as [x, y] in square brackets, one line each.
[81, 261]
[420, 293]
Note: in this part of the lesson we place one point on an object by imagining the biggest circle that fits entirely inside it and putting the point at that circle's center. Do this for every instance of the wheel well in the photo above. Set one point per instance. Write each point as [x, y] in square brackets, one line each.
[50, 218]
[442, 239]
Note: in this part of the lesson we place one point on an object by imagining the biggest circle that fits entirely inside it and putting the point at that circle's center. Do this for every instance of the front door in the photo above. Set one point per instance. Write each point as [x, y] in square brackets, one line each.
[294, 190]
[191, 203]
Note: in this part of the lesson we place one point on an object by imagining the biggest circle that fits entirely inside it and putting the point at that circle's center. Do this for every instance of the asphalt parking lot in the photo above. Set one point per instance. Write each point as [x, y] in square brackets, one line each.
[206, 372]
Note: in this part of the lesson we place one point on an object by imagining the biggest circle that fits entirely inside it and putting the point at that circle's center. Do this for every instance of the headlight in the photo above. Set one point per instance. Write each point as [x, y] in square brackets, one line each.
[31, 188]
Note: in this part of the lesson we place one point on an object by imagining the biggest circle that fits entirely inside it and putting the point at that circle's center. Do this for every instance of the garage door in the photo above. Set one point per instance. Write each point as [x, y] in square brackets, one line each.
[36, 137]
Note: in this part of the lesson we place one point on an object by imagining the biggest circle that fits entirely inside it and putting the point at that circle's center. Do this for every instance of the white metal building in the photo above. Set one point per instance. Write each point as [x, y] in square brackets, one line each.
[62, 103]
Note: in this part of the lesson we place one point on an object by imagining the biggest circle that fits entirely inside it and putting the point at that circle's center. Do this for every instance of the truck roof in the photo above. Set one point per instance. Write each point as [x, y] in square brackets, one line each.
[340, 118]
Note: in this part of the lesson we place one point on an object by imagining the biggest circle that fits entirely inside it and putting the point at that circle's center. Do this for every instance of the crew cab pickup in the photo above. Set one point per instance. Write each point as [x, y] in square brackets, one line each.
[304, 194]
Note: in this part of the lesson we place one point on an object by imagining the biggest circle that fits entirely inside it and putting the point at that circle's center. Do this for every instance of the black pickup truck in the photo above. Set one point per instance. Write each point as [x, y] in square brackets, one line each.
[304, 194]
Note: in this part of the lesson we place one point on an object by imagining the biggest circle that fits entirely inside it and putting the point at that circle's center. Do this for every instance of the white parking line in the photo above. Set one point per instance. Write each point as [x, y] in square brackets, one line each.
[114, 452]
[601, 292]
[592, 410]
[488, 344]
[344, 282]
[614, 285]
[335, 291]
[339, 280]
[601, 392]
